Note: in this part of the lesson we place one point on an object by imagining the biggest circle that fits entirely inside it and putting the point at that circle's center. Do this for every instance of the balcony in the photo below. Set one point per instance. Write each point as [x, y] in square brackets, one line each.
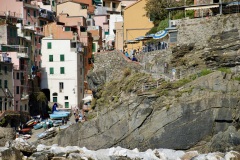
[10, 14]
[7, 59]
[22, 55]
[28, 38]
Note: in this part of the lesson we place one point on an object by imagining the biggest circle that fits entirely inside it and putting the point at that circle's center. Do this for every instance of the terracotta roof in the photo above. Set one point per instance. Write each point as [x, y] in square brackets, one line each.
[132, 4]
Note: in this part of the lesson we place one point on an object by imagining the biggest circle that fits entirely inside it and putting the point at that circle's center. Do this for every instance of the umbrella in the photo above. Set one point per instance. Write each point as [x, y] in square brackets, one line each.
[160, 34]
[88, 98]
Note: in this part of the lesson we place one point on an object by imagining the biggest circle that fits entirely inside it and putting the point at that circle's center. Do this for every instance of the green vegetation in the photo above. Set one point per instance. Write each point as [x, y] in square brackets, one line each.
[205, 72]
[2, 122]
[237, 78]
[225, 70]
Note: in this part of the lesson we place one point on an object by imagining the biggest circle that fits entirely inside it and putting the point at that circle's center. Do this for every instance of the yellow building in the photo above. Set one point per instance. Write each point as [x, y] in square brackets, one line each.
[136, 23]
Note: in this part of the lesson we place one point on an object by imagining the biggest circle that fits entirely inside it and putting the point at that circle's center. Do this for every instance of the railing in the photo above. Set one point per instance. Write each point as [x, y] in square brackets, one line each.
[22, 55]
[10, 14]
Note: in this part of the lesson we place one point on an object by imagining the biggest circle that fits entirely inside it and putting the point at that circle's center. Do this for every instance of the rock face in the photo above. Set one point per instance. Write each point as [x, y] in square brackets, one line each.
[192, 113]
[56, 152]
[6, 134]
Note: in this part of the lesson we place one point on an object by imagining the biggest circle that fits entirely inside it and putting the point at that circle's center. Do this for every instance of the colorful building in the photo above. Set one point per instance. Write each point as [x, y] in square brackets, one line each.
[136, 23]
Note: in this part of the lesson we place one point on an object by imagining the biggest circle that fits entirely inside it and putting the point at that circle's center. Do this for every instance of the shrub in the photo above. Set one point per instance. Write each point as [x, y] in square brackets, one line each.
[127, 72]
[205, 72]
[237, 78]
[225, 70]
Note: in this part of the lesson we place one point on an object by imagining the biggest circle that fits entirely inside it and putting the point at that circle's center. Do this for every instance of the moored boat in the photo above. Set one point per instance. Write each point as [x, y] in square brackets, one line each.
[58, 116]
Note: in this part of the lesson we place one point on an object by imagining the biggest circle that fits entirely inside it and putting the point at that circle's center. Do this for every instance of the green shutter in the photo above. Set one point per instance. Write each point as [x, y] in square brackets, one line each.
[50, 58]
[61, 57]
[53, 3]
[106, 33]
[66, 104]
[34, 14]
[49, 45]
[67, 29]
[94, 47]
[62, 70]
[54, 99]
[5, 84]
[51, 70]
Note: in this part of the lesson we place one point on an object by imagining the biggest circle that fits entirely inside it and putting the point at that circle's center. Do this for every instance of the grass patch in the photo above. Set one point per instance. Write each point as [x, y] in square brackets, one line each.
[237, 78]
[205, 72]
[225, 70]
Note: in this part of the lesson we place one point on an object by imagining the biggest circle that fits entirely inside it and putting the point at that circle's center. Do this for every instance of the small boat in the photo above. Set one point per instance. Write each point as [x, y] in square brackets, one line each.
[25, 130]
[26, 136]
[64, 127]
[61, 112]
[58, 116]
[38, 126]
[57, 123]
[32, 124]
[30, 121]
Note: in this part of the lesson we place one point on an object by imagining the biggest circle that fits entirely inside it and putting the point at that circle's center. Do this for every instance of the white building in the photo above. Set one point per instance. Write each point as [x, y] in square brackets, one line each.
[63, 71]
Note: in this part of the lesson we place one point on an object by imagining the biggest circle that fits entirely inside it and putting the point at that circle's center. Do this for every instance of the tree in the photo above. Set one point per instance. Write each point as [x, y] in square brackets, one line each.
[41, 99]
[156, 9]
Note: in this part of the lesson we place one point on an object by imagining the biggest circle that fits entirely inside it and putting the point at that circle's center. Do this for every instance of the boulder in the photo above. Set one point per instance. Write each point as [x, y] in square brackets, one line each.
[25, 147]
[6, 134]
[10, 154]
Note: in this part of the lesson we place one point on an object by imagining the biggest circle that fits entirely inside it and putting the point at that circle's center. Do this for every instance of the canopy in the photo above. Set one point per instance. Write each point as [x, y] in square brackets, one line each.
[131, 42]
[141, 38]
[160, 34]
[149, 36]
[202, 7]
[88, 98]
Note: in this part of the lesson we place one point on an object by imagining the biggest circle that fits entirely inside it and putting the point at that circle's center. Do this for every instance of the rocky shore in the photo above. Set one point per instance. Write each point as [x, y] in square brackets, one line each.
[20, 149]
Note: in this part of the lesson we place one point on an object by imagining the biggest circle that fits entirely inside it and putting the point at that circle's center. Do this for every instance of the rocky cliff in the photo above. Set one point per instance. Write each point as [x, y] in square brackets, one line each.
[139, 106]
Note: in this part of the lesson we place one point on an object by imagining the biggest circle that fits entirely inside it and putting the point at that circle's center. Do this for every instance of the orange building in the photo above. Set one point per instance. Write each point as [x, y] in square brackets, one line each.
[136, 23]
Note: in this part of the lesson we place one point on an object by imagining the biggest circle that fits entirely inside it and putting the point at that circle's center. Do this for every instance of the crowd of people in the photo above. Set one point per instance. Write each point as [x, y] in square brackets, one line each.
[79, 115]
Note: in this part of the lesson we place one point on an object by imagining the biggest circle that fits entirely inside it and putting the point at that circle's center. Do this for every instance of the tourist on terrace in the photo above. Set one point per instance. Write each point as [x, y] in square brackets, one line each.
[134, 58]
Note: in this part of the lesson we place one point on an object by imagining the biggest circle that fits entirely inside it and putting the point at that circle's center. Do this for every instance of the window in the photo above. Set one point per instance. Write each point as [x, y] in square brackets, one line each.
[66, 97]
[5, 69]
[34, 14]
[66, 104]
[82, 29]
[5, 104]
[61, 86]
[50, 58]
[0, 68]
[0, 83]
[94, 47]
[0, 103]
[53, 3]
[5, 84]
[17, 75]
[51, 70]
[106, 33]
[103, 4]
[25, 107]
[62, 70]
[151, 17]
[17, 90]
[113, 5]
[67, 28]
[61, 57]
[28, 12]
[54, 99]
[49, 45]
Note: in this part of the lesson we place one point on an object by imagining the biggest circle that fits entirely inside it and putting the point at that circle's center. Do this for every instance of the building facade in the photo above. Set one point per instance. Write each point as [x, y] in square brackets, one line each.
[63, 72]
[136, 23]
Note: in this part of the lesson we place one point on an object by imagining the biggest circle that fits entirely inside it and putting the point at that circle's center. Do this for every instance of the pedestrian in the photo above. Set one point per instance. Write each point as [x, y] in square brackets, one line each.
[76, 118]
[62, 121]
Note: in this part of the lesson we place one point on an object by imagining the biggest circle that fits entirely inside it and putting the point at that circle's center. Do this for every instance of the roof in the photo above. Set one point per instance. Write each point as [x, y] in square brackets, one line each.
[132, 4]
[73, 2]
[193, 7]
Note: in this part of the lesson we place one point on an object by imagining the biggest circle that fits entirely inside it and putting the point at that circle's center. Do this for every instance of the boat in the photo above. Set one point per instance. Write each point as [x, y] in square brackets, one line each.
[25, 130]
[30, 121]
[32, 124]
[61, 112]
[38, 126]
[64, 127]
[57, 123]
[58, 115]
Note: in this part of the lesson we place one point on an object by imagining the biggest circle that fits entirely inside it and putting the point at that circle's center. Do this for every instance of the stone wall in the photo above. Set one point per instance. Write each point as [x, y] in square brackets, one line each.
[199, 31]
